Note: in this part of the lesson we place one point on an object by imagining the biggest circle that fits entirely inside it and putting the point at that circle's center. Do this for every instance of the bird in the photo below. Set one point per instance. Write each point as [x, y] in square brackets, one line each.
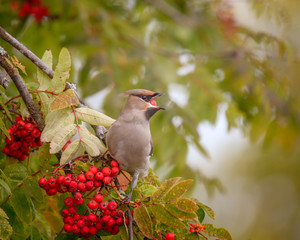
[129, 139]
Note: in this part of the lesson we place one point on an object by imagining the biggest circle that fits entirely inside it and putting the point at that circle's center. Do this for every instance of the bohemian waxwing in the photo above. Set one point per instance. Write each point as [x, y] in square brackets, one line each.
[129, 138]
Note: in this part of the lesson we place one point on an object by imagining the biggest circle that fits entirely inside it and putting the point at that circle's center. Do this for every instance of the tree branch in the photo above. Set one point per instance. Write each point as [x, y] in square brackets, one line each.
[4, 80]
[25, 51]
[14, 75]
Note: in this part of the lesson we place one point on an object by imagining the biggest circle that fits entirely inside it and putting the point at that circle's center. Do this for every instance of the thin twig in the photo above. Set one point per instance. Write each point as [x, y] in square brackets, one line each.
[24, 50]
[14, 75]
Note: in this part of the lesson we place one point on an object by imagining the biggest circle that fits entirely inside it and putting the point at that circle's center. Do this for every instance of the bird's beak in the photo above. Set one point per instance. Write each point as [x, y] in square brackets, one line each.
[153, 102]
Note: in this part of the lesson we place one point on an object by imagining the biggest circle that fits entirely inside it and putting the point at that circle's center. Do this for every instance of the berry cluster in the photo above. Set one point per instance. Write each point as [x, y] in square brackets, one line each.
[102, 216]
[24, 137]
[83, 182]
[31, 7]
[197, 228]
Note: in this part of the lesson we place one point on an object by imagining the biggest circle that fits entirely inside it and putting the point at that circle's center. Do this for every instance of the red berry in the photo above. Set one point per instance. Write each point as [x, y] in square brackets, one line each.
[13, 128]
[113, 213]
[192, 230]
[115, 171]
[72, 186]
[92, 218]
[106, 171]
[105, 219]
[98, 225]
[99, 176]
[14, 146]
[51, 182]
[81, 187]
[81, 178]
[98, 198]
[85, 230]
[67, 227]
[107, 180]
[68, 220]
[67, 180]
[89, 185]
[126, 220]
[120, 213]
[114, 163]
[89, 176]
[23, 157]
[93, 230]
[170, 236]
[42, 182]
[20, 124]
[92, 204]
[115, 230]
[76, 216]
[10, 141]
[107, 212]
[24, 133]
[78, 202]
[111, 222]
[29, 127]
[112, 205]
[93, 169]
[80, 223]
[75, 229]
[64, 213]
[60, 179]
[72, 210]
[77, 196]
[69, 202]
[97, 184]
[119, 221]
[6, 151]
[103, 206]
[35, 133]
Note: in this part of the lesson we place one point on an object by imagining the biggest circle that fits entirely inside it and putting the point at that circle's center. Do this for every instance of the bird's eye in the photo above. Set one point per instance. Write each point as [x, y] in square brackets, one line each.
[144, 97]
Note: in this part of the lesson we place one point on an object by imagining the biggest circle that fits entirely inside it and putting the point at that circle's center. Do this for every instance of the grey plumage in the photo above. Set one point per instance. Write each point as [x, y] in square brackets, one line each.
[129, 137]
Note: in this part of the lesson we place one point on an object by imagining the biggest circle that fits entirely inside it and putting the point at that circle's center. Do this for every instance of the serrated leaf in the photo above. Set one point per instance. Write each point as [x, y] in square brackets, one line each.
[15, 173]
[61, 138]
[5, 229]
[179, 213]
[161, 213]
[70, 152]
[147, 189]
[220, 233]
[207, 209]
[63, 100]
[55, 121]
[45, 101]
[87, 137]
[164, 188]
[143, 220]
[186, 205]
[43, 78]
[62, 71]
[94, 117]
[178, 190]
[3, 128]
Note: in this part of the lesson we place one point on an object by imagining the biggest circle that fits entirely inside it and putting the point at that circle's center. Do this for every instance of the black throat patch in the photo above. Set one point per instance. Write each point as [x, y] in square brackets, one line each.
[150, 112]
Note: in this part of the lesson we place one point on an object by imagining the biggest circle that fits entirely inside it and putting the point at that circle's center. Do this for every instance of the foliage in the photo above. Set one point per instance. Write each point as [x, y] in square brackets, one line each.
[158, 208]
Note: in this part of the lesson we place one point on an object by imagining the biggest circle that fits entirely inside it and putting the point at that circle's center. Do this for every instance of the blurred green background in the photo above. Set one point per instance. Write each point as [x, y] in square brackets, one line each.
[230, 73]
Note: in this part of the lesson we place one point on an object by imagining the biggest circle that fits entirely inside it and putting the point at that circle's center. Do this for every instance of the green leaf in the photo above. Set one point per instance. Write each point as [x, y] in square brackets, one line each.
[90, 142]
[61, 138]
[62, 71]
[161, 213]
[186, 205]
[200, 214]
[5, 186]
[55, 121]
[207, 209]
[63, 100]
[7, 112]
[220, 233]
[44, 154]
[5, 229]
[70, 152]
[45, 101]
[143, 220]
[35, 233]
[42, 77]
[21, 204]
[164, 188]
[147, 189]
[179, 213]
[94, 117]
[192, 236]
[3, 128]
[16, 173]
[178, 190]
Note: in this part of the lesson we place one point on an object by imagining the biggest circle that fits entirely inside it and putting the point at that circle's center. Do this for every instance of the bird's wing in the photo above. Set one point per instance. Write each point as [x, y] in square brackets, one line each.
[151, 150]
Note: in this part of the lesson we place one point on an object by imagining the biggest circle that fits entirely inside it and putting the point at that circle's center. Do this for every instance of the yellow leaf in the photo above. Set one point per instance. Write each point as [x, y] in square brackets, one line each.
[64, 99]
